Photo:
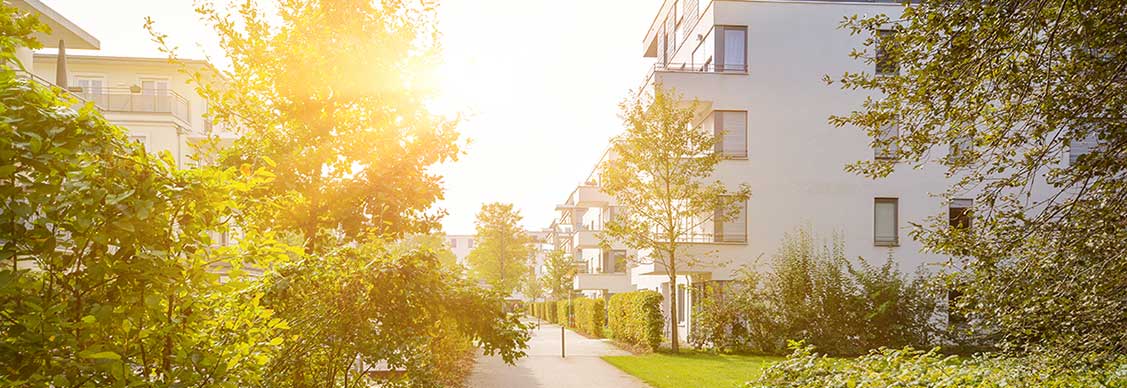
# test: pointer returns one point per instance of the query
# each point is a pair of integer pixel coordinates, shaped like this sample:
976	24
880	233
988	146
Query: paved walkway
544	368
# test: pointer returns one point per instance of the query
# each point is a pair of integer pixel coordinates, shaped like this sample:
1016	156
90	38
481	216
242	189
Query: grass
692	369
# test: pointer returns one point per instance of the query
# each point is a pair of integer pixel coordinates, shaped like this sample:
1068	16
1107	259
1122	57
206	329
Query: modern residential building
756	69
462	245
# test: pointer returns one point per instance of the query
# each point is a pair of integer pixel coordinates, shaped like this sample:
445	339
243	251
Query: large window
886	222
731	49
885	63
731	230
614	261
730	128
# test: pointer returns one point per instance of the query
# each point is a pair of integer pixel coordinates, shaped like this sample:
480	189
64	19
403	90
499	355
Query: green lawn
692	370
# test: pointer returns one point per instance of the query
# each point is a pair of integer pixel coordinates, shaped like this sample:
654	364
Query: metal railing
710	238
690	68
40	80
133	100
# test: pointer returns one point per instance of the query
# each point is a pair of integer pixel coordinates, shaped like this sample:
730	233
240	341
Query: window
731	49
732	230
469	243
143	139
885	222
682	309
730	129
453	243
89	85
614	261
887	147
958	213
885	64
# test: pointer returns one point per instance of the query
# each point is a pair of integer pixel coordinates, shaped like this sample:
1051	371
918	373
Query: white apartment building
461	245
756	69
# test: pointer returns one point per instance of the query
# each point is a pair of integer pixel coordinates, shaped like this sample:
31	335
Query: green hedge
635	318
908	367
590	316
550	311
564	313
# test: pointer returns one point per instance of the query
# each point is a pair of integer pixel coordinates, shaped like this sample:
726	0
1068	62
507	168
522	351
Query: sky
538	81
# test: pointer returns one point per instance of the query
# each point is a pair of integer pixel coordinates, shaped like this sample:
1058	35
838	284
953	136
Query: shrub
914	368
814	294
565	313
590	316
635	318
550	311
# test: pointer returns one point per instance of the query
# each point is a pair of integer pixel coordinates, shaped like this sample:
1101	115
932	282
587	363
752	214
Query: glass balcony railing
133	100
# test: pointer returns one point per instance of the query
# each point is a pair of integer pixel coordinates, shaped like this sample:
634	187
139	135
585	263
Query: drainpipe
61	66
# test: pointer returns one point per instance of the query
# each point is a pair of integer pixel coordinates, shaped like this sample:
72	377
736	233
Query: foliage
16	29
635	318
109	269
914	368
337	302
590	316
559	273
433	243
550	312
691	369
332	97
660	175
503	249
565	312
1020	88
816	295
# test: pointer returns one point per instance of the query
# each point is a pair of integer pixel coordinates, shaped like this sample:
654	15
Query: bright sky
539	79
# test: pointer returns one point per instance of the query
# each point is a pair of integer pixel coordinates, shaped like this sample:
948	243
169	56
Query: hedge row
590	316
635	318
544	310
564	313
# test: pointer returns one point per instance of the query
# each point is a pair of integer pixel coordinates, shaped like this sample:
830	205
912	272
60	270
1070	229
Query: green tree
434	243
109	274
659	174
559	272
501	255
331	96
1023	103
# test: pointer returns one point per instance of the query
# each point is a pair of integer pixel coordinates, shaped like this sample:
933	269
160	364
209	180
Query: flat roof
62	28
72	58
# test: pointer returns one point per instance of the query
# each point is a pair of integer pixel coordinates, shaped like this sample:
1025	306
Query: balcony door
731	49
154	96
92	88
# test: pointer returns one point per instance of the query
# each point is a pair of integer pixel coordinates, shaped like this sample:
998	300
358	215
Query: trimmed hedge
550	311
565	313
635	318
590	316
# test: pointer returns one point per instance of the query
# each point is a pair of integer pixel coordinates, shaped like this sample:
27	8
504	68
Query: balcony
590	196
136	101
584	239
706	82
612	282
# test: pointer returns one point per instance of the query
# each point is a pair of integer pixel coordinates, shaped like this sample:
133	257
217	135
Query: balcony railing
40	80
710	238
709	67
131	100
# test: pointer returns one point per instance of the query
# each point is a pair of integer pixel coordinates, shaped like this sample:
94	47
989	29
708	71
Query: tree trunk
673	340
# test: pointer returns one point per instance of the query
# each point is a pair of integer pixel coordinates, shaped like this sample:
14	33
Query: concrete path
544	368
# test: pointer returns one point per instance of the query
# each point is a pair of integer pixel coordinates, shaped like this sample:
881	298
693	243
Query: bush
635	318
565	313
814	294
914	368
590	316
550	311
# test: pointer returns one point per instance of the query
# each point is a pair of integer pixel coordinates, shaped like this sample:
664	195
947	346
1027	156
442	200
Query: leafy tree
1023	103
659	174
109	271
434	243
501	255
559	272
355	309
331	96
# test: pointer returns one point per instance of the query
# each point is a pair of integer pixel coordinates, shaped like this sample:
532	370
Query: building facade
756	68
